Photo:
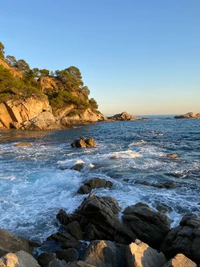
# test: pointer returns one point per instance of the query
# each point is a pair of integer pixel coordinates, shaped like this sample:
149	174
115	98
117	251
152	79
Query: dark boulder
45	258
77	167
184	238
69	255
83	142
66	240
92	184
103	223
149	226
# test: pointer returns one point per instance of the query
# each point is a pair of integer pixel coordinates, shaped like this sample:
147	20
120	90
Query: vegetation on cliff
62	87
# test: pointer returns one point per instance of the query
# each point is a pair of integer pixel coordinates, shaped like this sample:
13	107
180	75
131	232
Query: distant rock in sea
189	115
124	116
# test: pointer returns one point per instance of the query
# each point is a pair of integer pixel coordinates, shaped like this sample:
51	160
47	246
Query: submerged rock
172	156
24	144
92	184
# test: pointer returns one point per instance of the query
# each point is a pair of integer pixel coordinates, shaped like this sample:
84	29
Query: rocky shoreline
95	236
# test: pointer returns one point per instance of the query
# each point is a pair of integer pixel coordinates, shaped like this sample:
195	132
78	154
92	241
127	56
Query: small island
189	115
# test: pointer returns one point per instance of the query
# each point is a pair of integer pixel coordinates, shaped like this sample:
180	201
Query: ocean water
34	186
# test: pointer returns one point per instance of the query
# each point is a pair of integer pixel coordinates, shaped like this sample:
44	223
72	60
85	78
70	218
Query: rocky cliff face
36	114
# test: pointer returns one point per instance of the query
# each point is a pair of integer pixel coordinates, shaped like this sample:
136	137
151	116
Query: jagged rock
44	121
149	226
65	218
69	255
124	116
75	230
84	142
144	256
78	167
23	144
180	260
102	253
172	156
18	259
88	116
11	243
92	184
189	115
66	240
79	264
57	263
101	213
45	258
184	238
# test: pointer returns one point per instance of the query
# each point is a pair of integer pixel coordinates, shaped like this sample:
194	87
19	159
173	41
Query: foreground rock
144	256
18	259
180	260
92	184
184	239
124	116
104	253
98	218
149	226
84	142
189	115
11	243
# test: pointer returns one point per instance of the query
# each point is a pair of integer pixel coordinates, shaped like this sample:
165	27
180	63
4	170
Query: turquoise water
33	186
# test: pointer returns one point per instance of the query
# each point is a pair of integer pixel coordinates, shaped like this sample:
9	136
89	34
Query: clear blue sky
139	56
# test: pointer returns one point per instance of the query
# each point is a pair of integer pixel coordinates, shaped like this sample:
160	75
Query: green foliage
66	86
1	50
93	103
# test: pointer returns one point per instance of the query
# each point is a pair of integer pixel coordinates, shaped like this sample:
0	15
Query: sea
36	181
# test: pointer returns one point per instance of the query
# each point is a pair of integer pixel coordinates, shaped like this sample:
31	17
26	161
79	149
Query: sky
139	56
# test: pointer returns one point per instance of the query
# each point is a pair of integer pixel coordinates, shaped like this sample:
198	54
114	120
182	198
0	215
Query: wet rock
180	260
79	264
101	213
23	144
69	255
163	208
84	142
167	185
103	253
94	183
57	263
144	256
65	218
66	240
172	156
11	243
45	258
75	230
184	238
149	226
18	259
78	167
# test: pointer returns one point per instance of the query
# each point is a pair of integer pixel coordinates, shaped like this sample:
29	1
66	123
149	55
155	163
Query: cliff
33	99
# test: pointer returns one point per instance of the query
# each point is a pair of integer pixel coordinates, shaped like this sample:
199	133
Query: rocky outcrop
18	259
149	226
172	156
189	115
44	121
184	238
11	243
84	142
124	116
92	184
144	256
180	260
15	112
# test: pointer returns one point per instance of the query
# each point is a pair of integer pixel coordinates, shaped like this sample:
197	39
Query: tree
1	50
85	90
74	71
93	103
11	60
22	65
44	72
